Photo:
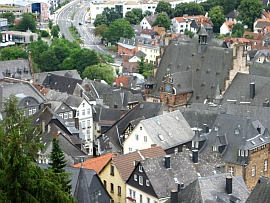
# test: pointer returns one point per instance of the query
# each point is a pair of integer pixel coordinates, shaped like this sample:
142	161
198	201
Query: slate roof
61	83
232	14
262	69
182	170
110	115
239	89
40	77
207	68
19	69
225	128
125	163
74	101
212	189
26	88
151	19
260	193
133	42
96	164
171	126
109	141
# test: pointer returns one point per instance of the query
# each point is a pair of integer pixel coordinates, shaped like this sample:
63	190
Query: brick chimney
87	87
229	184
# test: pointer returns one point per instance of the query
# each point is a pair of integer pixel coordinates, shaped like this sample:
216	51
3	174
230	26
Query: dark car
80	23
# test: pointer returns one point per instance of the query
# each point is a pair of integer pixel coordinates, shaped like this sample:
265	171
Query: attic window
218	72
236	131
261	139
147	182
252	142
178	84
216	128
179	65
188	67
197	69
213	86
158	122
203	84
208	70
177	118
198	97
140	168
161	137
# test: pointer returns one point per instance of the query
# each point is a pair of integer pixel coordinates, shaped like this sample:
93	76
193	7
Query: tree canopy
12	53
100	71
100	20
249	11
163	6
138	13
119	28
217	17
21	179
190	9
100	30
238	29
132	18
162	21
110	14
27	22
9	15
147	13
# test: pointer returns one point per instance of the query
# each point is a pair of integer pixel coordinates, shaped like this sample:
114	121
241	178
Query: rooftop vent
161	137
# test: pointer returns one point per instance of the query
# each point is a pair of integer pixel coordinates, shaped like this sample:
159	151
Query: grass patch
107	57
112	48
74	32
72	16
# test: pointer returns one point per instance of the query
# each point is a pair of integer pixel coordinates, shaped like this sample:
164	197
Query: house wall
144	24
224	29
152	52
171	99
124	50
131	144
257	157
180	27
116	180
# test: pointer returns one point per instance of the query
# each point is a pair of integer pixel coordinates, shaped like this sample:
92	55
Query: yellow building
151	51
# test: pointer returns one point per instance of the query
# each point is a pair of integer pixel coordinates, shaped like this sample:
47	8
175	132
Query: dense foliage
21	179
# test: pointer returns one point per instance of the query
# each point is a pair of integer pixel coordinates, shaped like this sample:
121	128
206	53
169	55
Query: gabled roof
61	83
260	194
110	140
168	130
239	89
237	131
182	170
208	68
96	164
109	116
125	163
213	189
40	77
232	14
229	25
74	101
151	19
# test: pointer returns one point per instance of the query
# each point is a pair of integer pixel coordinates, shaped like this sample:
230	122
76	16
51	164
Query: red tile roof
96	164
229	25
125	163
123	79
200	19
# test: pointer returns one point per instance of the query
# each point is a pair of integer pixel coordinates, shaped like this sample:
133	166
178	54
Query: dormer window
216	128
214	148
236	131
140	168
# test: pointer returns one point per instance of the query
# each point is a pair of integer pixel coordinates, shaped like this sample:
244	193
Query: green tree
100	30
147	13
36	48
50	24
100	20
239	28
58	163
132	18
84	58
119	28
217	17
189	33
21	179
49	61
10	17
138	13
191	8
249	11
207	5
55	32
100	71
110	14
12	53
27	22
162	21
229	5
144	67
44	33
163	6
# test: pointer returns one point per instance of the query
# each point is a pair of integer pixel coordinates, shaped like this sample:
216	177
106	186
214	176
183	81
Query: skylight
261	139
253	142
161	137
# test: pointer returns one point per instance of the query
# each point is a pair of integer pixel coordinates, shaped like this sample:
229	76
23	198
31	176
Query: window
105	184
236	131
88	111
134	194
148	199
140	168
30	111
265	165
145	138
34	110
65	116
140	180
78	113
216	128
83	112
112	187
242	153
136	137
147	183
119	190
112	170
83	124
231	170
141	198
130	149
88	123
140	127
135	177
253	171
61	115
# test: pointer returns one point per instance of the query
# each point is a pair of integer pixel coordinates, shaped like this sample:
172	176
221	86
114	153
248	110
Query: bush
44	33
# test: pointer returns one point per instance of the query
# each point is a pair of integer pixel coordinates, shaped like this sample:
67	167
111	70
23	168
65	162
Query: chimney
49	79
104	98
184	148
54	135
174	196
115	105
229	184
87	87
206	128
176	150
43	126
47	104
153	145
167	162
76	123
122	112
180	186
266	103
195	156
252	90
